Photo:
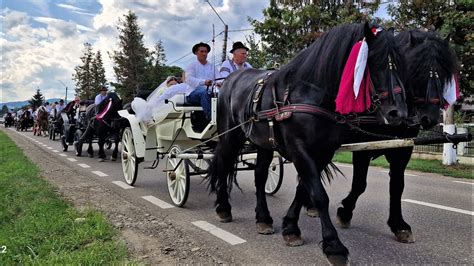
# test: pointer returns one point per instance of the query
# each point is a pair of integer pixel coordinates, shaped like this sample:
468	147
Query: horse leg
360	164
290	229
222	171
310	180
115	151
262	214
398	160
101	143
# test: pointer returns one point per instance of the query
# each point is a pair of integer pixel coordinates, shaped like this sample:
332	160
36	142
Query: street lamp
65	98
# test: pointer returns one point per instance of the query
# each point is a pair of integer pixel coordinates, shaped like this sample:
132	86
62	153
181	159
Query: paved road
439	209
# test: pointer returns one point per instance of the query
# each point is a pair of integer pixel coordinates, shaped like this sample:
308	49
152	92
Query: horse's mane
425	51
322	63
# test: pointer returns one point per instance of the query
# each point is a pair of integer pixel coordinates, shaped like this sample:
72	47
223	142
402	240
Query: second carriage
185	144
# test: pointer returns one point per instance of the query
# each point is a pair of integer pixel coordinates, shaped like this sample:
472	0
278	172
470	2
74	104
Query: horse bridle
432	98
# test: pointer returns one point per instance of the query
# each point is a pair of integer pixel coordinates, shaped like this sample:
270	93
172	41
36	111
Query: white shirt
59	108
197	74
229	66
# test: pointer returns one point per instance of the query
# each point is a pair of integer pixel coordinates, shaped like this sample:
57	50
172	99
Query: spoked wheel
77	144
129	157
108	143
199	166
275	176
51	132
177	178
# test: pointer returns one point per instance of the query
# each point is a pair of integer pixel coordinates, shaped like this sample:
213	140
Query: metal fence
464	149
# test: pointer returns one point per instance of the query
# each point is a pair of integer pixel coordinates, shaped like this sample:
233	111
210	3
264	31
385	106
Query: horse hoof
265	229
101	160
341	223
338	259
113	159
225	217
293	240
405	236
312	212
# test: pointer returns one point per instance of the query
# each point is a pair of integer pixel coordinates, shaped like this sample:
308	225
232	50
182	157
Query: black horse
103	122
430	64
299	120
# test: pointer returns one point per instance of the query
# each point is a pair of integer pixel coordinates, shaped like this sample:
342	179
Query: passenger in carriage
71	107
239	60
199	76
101	96
60	106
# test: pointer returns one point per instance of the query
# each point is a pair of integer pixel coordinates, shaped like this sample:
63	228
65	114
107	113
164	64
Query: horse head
386	66
109	107
431	67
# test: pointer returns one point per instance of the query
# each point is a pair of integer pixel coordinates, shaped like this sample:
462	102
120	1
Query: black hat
201	44
238	45
102	88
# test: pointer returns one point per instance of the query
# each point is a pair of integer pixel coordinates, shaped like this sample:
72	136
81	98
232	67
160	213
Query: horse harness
284	109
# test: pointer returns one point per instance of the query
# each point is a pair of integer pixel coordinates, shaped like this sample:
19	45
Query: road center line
63	155
220	233
122	184
158	202
55	151
83	165
470	183
49	148
439	206
99	173
72	159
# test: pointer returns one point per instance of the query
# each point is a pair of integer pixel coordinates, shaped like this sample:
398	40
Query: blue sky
42	40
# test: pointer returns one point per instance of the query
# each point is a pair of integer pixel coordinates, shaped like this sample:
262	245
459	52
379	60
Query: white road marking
55	151
49	148
99	173
439	207
158	202
62	154
343	165
83	165
220	233
122	184
470	183
386	171
44	145
72	159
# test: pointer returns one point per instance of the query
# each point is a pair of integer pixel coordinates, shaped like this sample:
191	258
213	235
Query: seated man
238	61
199	75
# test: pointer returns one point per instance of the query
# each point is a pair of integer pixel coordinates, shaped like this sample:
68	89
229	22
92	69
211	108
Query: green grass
429	166
38	227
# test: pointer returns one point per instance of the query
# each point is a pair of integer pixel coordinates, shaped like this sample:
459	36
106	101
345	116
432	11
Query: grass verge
38	227
429	166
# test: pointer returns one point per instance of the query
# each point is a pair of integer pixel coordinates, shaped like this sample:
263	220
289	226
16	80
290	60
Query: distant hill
14	105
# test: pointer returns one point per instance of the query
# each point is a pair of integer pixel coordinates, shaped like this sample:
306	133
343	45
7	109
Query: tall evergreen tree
98	72
257	56
83	74
291	25
131	60
37	100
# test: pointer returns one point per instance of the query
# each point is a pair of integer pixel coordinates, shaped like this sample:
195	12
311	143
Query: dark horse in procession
293	111
102	122
431	73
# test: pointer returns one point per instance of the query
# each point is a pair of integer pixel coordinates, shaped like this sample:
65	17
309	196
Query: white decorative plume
359	69
449	91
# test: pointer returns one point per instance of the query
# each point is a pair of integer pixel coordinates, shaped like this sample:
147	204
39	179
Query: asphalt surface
438	208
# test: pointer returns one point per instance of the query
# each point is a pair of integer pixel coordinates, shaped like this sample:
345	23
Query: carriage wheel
178	180
77	144
199	166
129	157
108	143
63	142
275	176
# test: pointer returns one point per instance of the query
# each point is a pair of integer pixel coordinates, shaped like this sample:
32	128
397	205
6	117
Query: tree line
287	27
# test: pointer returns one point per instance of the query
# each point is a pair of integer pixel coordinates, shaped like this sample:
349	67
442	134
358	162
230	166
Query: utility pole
226	30
65	98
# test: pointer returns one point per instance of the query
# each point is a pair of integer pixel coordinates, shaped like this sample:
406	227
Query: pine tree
132	60
83	74
37	100
98	72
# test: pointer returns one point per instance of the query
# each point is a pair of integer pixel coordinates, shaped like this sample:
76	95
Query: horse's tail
330	172
222	166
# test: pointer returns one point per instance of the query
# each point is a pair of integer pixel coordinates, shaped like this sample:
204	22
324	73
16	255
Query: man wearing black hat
238	61
101	96
200	75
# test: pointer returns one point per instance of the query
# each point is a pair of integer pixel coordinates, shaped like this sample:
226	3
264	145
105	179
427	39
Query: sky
41	41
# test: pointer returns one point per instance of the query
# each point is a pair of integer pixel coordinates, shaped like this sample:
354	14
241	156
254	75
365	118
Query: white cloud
70	7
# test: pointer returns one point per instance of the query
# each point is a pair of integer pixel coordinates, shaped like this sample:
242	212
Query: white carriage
187	152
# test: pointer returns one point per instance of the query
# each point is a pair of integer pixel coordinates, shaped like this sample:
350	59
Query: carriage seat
180	103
